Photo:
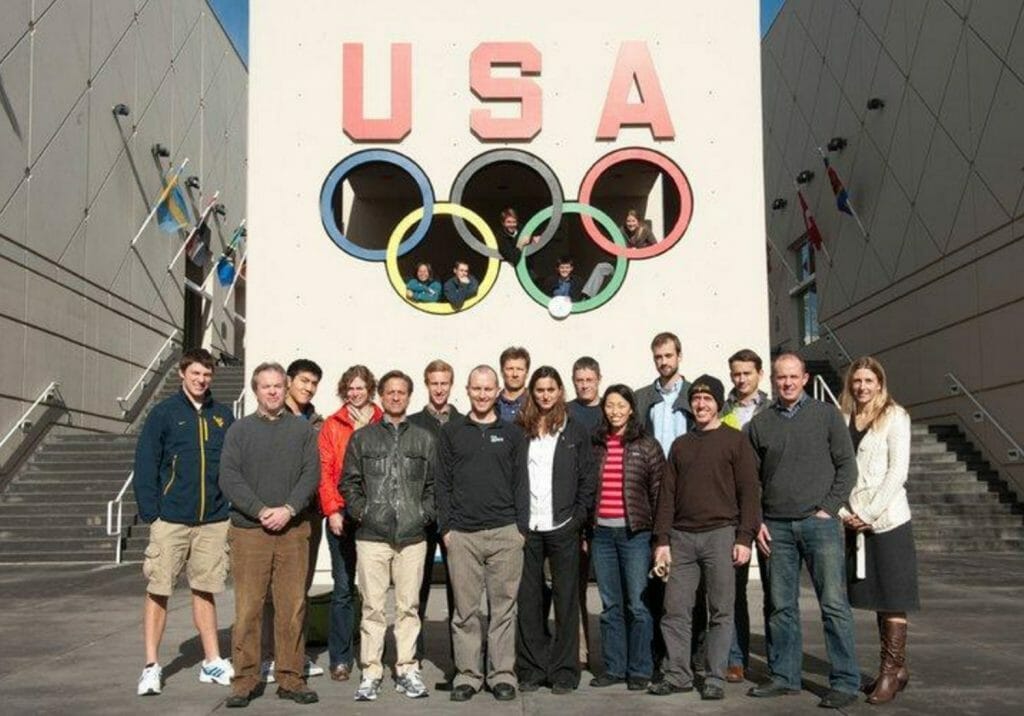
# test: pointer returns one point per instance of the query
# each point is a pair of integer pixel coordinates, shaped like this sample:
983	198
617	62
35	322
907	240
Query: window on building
805	293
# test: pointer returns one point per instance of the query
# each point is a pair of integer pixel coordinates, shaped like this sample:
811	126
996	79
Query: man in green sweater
270	469
707	516
808	468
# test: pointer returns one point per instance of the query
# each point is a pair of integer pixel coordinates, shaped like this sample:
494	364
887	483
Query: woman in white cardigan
878	508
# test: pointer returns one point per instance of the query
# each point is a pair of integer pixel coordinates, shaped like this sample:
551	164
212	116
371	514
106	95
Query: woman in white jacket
878	507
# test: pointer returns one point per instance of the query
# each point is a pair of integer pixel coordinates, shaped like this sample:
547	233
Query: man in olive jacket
388	484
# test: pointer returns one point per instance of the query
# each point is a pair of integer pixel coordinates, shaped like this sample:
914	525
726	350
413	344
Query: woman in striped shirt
629	476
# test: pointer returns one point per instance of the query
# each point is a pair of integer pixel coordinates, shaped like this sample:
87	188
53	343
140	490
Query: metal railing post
142	378
48	392
1015	453
118	502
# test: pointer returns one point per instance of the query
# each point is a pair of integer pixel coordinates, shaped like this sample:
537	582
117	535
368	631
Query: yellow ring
442	208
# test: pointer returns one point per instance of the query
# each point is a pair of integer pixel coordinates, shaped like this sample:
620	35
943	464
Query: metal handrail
20	423
234	279
119	502
142	378
238	407
835	339
1016	453
820	390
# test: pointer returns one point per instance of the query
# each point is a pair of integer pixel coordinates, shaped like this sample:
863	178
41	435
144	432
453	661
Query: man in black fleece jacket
483	510
808	467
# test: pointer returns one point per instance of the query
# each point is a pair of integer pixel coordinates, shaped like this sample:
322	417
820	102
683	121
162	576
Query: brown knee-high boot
894	675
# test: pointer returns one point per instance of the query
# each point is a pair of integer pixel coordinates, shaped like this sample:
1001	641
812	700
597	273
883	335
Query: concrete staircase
54	509
958	503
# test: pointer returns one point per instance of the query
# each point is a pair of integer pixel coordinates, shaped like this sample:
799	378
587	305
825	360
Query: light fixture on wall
160	150
805	176
220	210
779	203
192	182
836	144
121	110
876	103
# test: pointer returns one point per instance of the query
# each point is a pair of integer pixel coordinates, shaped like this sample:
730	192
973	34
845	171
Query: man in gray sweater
808	468
270	469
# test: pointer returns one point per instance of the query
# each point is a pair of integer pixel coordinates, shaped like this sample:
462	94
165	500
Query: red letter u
353	121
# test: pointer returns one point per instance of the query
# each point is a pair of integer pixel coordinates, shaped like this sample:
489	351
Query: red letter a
634	64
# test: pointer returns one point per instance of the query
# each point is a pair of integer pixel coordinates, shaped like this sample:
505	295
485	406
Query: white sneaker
218	671
411	685
311	669
149	682
368	689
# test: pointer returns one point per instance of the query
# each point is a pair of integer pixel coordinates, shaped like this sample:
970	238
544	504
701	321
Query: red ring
666	165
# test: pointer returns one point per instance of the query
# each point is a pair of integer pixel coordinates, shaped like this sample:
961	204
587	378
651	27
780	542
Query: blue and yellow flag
172	213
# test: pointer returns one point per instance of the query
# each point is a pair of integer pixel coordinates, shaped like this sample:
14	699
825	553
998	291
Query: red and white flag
813	235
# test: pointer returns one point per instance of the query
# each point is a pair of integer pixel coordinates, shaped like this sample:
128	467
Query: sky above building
234	16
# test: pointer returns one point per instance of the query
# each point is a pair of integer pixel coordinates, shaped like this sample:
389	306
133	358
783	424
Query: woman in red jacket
356	390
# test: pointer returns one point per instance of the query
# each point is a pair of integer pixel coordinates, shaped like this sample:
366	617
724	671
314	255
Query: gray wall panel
60	67
14	136
59	180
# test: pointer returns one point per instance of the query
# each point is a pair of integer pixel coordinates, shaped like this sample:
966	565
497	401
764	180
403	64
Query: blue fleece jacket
177	461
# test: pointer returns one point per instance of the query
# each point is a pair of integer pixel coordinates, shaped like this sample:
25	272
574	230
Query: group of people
425	287
663	492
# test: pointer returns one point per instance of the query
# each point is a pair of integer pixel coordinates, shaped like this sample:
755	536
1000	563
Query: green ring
621	262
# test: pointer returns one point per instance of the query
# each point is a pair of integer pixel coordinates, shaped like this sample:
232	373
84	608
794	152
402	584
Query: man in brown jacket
708	514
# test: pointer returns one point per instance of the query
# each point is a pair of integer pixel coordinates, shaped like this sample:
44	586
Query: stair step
933	457
71	545
60	493
918	488
980	511
930	467
943	478
92	438
975	498
123	466
973	545
928	521
13	520
64	453
100	556
955	532
114	479
76	507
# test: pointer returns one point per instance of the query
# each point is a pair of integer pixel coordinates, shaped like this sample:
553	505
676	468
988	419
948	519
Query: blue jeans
739	652
819	543
341	618
621	560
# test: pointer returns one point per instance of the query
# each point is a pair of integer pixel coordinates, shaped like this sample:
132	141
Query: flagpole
159	201
202	220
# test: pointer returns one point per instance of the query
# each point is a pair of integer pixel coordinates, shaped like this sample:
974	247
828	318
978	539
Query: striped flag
842	196
172	211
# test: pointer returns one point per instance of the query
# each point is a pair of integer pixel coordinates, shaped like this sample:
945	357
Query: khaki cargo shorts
203	549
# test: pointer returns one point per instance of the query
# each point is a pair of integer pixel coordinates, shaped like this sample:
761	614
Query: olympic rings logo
413	228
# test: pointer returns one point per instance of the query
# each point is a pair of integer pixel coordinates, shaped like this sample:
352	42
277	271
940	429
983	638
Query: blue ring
338	174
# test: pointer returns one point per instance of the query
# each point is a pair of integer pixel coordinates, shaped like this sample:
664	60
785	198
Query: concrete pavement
71	639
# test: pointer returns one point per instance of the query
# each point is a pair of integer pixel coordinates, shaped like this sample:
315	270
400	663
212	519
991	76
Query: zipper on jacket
201	423
174	466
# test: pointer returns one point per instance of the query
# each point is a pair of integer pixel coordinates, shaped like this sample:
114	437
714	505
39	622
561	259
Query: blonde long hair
880	405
